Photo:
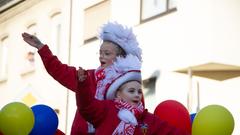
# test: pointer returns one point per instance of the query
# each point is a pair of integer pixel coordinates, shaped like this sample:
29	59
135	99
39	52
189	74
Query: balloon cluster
210	120
16	118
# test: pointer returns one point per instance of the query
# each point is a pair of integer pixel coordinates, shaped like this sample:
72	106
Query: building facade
179	40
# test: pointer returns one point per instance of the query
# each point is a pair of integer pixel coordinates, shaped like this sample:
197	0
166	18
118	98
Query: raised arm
64	74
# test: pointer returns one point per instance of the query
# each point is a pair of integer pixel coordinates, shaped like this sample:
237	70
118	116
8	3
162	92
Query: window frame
56	32
29	52
90	32
168	10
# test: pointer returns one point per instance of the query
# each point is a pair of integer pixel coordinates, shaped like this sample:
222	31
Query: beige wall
36	82
199	31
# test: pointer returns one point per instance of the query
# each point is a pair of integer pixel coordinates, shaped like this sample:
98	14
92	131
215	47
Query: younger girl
123	113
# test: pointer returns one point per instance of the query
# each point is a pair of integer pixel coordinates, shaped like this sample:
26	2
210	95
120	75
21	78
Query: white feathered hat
122	36
121	71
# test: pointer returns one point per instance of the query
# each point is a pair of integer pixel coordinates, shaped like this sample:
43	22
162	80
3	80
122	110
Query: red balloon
59	132
175	114
1	133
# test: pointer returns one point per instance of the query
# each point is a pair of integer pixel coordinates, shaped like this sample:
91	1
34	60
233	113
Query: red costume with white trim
67	76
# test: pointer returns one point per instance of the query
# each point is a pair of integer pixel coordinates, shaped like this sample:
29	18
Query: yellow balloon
213	120
16	119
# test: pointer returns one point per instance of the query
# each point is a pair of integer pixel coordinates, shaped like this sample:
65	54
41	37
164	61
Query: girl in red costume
123	112
117	40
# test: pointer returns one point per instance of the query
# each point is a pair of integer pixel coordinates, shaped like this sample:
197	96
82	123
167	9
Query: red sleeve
59	132
64	74
91	109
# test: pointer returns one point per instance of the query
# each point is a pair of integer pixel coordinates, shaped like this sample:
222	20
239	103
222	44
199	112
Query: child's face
130	92
108	53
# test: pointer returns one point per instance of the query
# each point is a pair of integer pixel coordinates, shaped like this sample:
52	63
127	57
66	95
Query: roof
212	70
7	4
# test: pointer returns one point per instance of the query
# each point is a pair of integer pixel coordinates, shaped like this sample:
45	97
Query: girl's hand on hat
81	74
32	40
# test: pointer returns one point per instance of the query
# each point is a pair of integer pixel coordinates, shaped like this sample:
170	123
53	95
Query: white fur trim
130	62
121	71
127	116
129	76
91	129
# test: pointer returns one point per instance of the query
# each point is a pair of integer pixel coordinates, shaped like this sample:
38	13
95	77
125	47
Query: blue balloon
46	120
192	116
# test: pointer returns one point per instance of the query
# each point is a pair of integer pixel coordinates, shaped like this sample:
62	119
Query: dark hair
120	51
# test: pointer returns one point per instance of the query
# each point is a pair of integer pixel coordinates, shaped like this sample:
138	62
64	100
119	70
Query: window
94	17
29	52
3	58
151	9
56	32
149	88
